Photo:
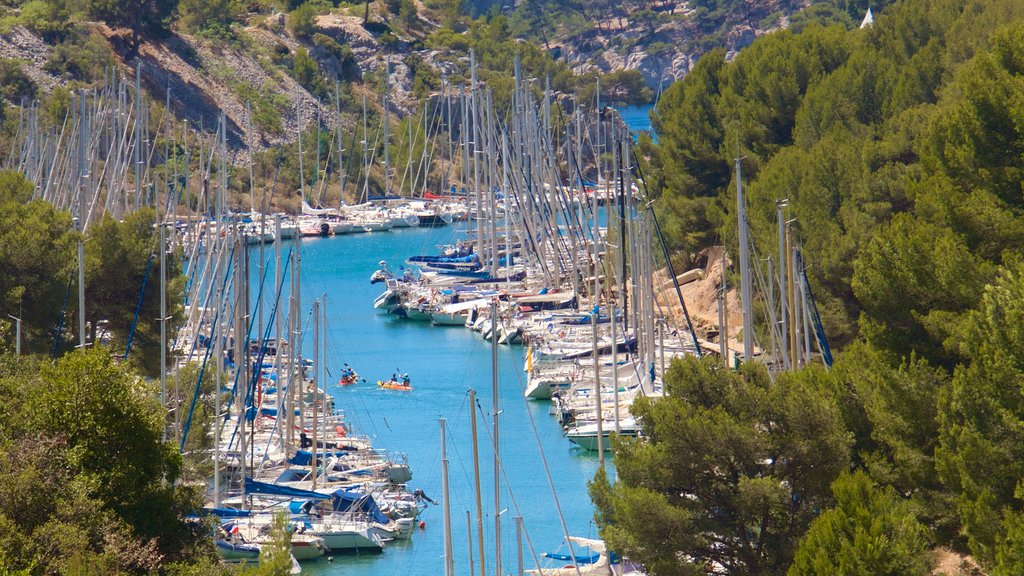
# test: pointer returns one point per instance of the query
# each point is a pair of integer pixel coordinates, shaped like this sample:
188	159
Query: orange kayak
391	385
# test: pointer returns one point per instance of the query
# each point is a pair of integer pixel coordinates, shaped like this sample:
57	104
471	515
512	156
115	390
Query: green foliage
85	58
618	88
267	106
425	80
15	85
892	408
730	470
912	278
56	106
305	68
36	256
407	14
86	484
50	19
141	16
302	20
276	554
869	531
388	40
118	257
342	53
210	17
981	421
918	114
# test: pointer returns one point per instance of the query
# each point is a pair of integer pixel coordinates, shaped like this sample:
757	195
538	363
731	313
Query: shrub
389	40
341	52
80	60
305	69
302	21
14	83
47	18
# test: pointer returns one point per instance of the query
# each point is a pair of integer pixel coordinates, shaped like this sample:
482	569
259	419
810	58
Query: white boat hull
349	539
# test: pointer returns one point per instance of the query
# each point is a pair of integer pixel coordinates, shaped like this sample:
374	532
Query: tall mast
449	562
476	164
81	221
745	283
298	124
316	382
341	141
281	408
476	475
497	444
783	282
366	156
387	129
163	325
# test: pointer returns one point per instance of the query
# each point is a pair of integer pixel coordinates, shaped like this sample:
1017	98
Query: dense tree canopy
731	471
86	484
869	531
36	260
898	148
122	283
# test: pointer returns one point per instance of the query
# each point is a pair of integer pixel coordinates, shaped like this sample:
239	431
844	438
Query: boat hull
230	552
306	550
444	319
344	539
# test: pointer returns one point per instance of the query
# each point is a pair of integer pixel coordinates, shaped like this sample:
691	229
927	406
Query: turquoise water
638	119
443	363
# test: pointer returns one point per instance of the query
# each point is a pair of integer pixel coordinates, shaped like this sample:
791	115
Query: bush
305	69
302	21
341	52
80	60
14	83
388	40
870	531
210	18
47	18
407	14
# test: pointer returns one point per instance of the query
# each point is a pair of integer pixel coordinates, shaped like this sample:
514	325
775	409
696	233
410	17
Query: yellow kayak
392	385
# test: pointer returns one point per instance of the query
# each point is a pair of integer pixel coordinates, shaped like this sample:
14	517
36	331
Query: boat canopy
463	306
568	558
304	457
345	501
254	487
310	211
227	512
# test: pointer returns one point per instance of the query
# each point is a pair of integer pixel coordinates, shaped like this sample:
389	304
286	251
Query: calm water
638	119
443	363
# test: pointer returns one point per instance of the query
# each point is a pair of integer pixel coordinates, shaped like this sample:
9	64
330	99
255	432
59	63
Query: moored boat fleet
280	446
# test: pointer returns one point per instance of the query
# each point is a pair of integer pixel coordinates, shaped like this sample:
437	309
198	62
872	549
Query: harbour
443	362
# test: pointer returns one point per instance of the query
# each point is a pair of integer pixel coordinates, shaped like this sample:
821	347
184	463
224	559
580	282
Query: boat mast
81	221
476	475
387	128
163	325
449	563
783	281
298	128
745	283
316	383
497	444
281	408
323	395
